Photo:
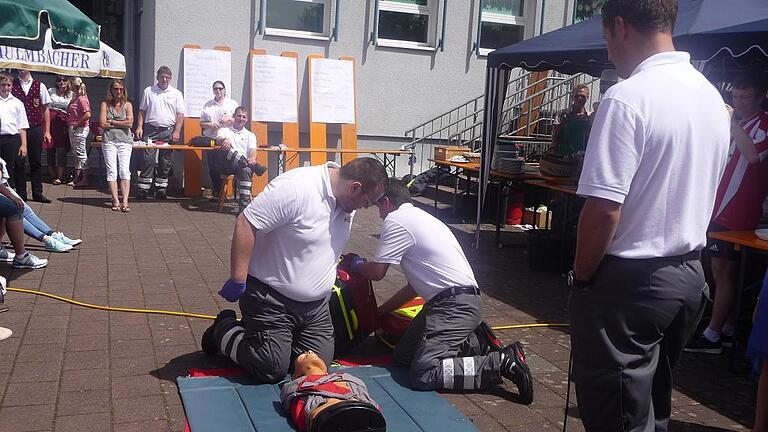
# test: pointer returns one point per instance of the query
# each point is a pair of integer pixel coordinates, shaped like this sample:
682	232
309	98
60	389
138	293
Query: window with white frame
407	22
298	17
502	23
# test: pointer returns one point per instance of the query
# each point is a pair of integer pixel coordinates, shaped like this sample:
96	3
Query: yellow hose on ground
210	317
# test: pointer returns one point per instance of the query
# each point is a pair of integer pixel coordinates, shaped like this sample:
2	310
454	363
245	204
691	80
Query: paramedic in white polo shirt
217	113
657	150
237	156
13	121
161	116
435	346
285	249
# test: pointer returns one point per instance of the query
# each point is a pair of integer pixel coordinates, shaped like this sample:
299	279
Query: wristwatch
576	283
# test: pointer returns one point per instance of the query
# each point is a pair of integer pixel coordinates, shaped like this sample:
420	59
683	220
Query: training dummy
316	400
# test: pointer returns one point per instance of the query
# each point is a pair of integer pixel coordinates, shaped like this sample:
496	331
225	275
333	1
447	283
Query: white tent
106	63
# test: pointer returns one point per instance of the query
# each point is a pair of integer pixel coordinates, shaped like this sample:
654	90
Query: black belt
451	292
688	256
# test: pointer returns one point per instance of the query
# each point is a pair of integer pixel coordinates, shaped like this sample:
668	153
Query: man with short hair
13	125
284	253
435	347
571	126
738	206
237	156
216	113
161	116
34	95
656	153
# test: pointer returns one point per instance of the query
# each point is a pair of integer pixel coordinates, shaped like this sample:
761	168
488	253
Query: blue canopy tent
734	33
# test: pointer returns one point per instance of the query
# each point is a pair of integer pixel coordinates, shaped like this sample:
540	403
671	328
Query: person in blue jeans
36	228
757	349
11	210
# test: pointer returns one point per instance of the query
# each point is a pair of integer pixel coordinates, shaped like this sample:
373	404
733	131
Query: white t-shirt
45	98
161	106
214	111
243	140
59	103
658	146
301	233
13	116
426	250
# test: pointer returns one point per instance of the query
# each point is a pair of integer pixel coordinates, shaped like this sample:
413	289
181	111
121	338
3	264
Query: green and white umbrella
23	24
106	62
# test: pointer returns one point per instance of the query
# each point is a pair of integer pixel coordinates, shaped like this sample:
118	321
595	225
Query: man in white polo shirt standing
657	150
285	249
437	346
161	116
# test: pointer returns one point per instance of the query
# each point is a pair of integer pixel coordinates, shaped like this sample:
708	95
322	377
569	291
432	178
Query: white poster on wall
201	68
274	89
333	91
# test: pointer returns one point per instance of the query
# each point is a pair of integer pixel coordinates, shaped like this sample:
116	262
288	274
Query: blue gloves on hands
355	262
232	291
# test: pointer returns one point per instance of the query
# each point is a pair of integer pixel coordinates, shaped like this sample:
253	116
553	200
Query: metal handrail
475	113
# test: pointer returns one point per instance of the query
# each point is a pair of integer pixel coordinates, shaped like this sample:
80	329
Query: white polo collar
668	57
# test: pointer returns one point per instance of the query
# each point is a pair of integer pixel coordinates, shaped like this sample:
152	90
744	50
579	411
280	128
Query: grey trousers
438	350
627	333
273	331
155	170
228	163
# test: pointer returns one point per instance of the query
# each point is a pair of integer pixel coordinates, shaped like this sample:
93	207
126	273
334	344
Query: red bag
353	308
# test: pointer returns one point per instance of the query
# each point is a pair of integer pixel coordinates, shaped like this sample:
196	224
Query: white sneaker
53	245
6	255
29	261
5	333
66	240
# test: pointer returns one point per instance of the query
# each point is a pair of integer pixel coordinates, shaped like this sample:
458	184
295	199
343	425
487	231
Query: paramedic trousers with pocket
151	169
273	331
627	333
438	349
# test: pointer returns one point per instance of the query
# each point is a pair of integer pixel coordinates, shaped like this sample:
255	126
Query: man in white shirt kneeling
437	346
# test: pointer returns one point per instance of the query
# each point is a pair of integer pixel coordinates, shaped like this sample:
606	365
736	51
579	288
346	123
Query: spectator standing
161	116
571	126
34	95
738	206
116	120
78	119
656	153
58	146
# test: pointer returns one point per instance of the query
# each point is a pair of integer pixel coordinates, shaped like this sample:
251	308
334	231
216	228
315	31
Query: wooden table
747	242
193	167
503	179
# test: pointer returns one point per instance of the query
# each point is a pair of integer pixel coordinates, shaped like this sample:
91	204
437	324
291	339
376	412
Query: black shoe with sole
208	342
515	369
41	199
160	194
703	345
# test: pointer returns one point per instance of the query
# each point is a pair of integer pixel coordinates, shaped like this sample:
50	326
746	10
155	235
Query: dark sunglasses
218	88
61	80
118	88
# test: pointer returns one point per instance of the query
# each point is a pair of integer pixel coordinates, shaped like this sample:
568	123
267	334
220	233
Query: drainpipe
543	8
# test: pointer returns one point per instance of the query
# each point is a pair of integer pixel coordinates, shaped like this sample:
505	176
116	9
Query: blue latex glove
355	262
232	291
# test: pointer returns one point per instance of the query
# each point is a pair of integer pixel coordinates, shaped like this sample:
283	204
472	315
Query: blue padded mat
238	404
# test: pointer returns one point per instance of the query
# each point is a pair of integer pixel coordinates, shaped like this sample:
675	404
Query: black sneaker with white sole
515	369
702	345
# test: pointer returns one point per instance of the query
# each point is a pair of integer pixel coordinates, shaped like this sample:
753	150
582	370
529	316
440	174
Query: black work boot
515	369
208	342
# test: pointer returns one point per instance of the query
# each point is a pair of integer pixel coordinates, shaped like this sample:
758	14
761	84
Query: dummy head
308	363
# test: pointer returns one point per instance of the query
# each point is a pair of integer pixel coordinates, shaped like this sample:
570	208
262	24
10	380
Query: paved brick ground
68	368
